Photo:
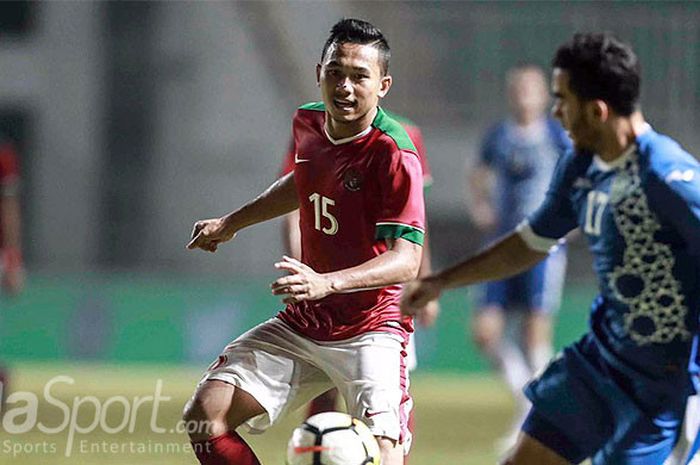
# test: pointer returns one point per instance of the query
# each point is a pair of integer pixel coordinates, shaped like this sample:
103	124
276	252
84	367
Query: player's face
351	84
573	113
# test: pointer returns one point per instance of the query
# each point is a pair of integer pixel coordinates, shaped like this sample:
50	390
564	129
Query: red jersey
353	194
414	133
9	172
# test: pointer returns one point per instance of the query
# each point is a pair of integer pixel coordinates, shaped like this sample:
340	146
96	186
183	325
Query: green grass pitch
459	417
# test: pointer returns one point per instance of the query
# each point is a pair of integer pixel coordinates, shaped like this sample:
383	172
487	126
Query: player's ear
384	86
600	110
318	74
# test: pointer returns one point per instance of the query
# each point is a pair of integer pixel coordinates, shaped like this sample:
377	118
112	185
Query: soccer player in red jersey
358	186
327	401
11	269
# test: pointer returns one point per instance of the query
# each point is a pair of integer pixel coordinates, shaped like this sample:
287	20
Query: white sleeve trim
535	242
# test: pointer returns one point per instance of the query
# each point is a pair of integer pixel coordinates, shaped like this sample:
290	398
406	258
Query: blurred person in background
291	233
11	269
617	395
512	324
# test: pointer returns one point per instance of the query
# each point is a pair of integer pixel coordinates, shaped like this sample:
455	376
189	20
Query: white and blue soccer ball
332	438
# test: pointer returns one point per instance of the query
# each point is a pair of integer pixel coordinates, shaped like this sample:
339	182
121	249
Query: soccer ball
332	438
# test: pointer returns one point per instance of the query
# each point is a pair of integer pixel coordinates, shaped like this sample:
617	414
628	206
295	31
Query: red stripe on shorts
404	408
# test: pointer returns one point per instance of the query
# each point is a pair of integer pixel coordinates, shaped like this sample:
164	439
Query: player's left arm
676	199
400	263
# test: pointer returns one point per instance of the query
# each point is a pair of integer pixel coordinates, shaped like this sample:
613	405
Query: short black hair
356	31
601	66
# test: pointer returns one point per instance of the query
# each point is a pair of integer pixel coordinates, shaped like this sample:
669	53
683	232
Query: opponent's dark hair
601	66
356	31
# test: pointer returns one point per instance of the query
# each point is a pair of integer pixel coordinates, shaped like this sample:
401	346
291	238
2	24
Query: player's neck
622	133
526	120
342	130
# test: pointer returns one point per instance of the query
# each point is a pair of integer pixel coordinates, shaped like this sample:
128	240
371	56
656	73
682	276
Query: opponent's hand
208	234
301	284
427	315
418	294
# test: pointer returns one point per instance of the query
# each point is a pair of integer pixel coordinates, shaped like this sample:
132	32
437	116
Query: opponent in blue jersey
517	159
618	394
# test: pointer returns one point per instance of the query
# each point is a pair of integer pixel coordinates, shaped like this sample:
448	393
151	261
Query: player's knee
486	340
193	416
203	416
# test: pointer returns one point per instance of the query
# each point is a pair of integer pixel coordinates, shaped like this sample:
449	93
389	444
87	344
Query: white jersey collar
616	163
346	139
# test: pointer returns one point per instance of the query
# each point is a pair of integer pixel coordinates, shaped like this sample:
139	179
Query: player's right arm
278	199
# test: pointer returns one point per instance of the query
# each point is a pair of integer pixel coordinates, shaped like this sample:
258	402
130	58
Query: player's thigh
488	324
537	329
370	372
270	363
529	451
576	407
218	407
650	442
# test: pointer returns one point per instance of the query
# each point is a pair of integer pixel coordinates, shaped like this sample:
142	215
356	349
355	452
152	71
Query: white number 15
321	204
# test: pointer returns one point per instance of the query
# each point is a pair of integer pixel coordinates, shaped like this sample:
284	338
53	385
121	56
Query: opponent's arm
507	257
276	200
400	263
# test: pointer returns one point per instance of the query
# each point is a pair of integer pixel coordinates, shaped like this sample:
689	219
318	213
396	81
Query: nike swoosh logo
299	160
369	414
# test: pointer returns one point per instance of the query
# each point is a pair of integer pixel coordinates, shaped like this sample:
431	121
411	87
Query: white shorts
283	370
411	358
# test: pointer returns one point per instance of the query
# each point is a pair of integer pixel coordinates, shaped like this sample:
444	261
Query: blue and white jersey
641	217
523	161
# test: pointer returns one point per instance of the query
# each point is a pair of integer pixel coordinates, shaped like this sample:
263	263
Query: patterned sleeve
555	217
675	197
9	169
402	210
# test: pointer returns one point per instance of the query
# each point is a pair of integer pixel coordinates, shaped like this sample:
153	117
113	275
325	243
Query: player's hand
301	284
427	315
418	294
208	234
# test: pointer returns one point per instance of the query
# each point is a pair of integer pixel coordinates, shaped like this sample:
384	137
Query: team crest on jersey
352	180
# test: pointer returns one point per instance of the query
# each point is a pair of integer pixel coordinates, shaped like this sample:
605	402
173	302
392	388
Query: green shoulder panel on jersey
401	119
393	129
314	106
399	231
